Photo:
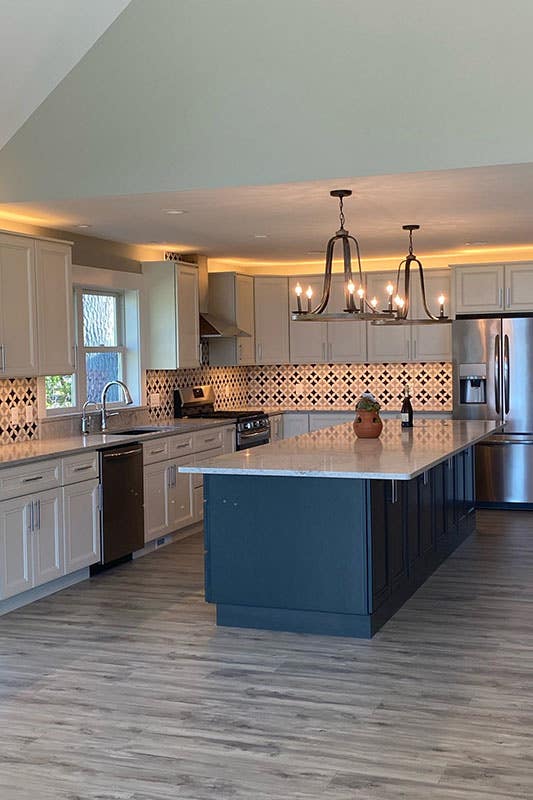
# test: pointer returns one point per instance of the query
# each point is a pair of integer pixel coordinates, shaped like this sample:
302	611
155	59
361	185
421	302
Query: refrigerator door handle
497	386
506	373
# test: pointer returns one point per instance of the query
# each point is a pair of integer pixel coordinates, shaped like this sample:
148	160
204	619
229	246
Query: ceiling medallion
360	309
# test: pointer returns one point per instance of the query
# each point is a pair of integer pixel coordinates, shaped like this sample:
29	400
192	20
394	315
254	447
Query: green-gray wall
184	94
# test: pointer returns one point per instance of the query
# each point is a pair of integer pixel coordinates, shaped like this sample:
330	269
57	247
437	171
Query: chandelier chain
342	218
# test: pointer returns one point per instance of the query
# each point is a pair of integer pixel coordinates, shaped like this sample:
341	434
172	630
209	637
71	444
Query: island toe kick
330	555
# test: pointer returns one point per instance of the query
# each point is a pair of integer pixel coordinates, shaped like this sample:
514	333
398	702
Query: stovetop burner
198	401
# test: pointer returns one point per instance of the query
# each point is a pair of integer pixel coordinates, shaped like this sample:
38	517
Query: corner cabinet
55	319
231	298
493	288
271	313
173	315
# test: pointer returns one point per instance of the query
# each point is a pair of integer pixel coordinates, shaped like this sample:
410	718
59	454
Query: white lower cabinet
180	513
325	419
276	427
81	522
156	499
31	542
295	424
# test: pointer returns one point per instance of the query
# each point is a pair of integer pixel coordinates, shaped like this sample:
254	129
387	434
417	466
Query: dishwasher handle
123	453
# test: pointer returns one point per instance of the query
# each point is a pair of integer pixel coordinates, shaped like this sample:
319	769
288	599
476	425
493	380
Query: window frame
131	286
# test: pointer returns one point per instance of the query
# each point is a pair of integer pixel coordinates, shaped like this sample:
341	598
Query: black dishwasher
122	509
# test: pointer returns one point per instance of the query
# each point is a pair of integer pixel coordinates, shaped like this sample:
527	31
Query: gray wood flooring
122	688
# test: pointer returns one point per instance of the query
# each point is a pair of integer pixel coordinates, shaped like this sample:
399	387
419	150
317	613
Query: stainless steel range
252	428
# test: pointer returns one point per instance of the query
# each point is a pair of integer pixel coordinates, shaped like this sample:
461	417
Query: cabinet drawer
81	467
155	451
208	440
207	455
17	481
180	445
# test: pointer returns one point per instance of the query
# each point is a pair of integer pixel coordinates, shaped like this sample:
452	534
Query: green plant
367	402
58	391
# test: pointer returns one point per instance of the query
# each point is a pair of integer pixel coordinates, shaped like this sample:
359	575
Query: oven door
246	439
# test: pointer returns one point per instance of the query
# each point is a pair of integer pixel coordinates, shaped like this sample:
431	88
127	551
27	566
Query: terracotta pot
367	424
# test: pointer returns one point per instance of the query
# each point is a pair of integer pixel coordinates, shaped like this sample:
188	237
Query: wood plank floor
122	688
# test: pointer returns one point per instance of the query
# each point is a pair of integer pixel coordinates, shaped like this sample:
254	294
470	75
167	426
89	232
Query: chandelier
397	304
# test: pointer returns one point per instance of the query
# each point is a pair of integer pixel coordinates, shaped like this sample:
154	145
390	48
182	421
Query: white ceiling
40	42
486	207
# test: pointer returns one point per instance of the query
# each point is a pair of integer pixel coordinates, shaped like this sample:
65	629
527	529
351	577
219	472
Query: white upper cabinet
386	344
479	288
173	315
431	342
55	320
231	297
18	322
342	342
308	340
271	320
518	279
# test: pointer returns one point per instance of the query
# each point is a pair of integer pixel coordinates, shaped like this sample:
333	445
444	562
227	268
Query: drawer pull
180	446
80	469
212	439
155	452
35	478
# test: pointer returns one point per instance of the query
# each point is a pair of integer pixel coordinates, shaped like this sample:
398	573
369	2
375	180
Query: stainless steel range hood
212	326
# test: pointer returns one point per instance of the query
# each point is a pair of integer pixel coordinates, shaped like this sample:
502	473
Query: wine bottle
407	409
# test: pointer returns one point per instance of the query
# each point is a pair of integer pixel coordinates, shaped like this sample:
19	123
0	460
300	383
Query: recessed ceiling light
174	211
260	235
83	225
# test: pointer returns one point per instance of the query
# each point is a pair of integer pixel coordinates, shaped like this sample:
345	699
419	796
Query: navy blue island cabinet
335	556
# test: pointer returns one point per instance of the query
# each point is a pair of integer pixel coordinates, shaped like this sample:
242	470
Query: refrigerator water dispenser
473	384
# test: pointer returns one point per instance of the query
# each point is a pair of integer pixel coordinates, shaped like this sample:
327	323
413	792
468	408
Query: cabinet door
308	340
478	288
187	316
55	320
386	344
346	339
271	320
180	499
229	439
295	424
198	503
519	287
81	524
47	539
325	419
276	427
244	317
157	479
431	342
18	329
15	547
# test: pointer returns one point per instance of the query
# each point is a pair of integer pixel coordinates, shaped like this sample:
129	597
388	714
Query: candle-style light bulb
309	295
298	290
374	303
361	295
351	287
400	302
390	289
441	300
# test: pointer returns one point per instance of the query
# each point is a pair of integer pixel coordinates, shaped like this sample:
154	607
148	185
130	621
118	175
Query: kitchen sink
141	430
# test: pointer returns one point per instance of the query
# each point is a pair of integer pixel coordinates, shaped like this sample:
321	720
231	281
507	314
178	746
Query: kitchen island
326	533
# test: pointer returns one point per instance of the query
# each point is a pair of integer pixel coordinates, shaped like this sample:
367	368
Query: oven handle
255	434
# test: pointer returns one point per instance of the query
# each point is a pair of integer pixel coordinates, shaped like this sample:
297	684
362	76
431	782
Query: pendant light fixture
360	309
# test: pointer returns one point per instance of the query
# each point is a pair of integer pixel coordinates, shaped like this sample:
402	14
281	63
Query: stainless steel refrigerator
493	379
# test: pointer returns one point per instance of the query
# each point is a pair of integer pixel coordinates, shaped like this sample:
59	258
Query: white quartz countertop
38	449
335	452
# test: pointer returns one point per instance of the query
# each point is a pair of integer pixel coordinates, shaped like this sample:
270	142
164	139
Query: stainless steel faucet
86	420
105	413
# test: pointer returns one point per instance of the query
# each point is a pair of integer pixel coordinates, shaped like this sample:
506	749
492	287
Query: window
100	337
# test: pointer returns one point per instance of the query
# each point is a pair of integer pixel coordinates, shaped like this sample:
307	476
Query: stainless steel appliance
493	379
252	428
122	514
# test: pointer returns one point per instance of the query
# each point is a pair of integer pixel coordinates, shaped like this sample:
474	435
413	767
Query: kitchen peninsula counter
325	533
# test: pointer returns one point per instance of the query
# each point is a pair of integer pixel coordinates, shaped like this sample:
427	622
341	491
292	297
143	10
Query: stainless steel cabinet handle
123	453
508	297
212	439
414	349
75	357
3	356
180	446
175	475
169	477
497	372
394	492
408	350
155	452
500	297
34	478
81	469
324	351
30	516
38	524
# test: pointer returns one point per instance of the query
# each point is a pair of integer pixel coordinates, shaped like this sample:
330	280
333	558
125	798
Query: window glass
59	391
99	320
101	368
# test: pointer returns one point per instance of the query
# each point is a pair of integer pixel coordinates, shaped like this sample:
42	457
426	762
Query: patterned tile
18	394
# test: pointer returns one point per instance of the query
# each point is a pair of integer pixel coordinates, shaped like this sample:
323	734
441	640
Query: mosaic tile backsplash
321	386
